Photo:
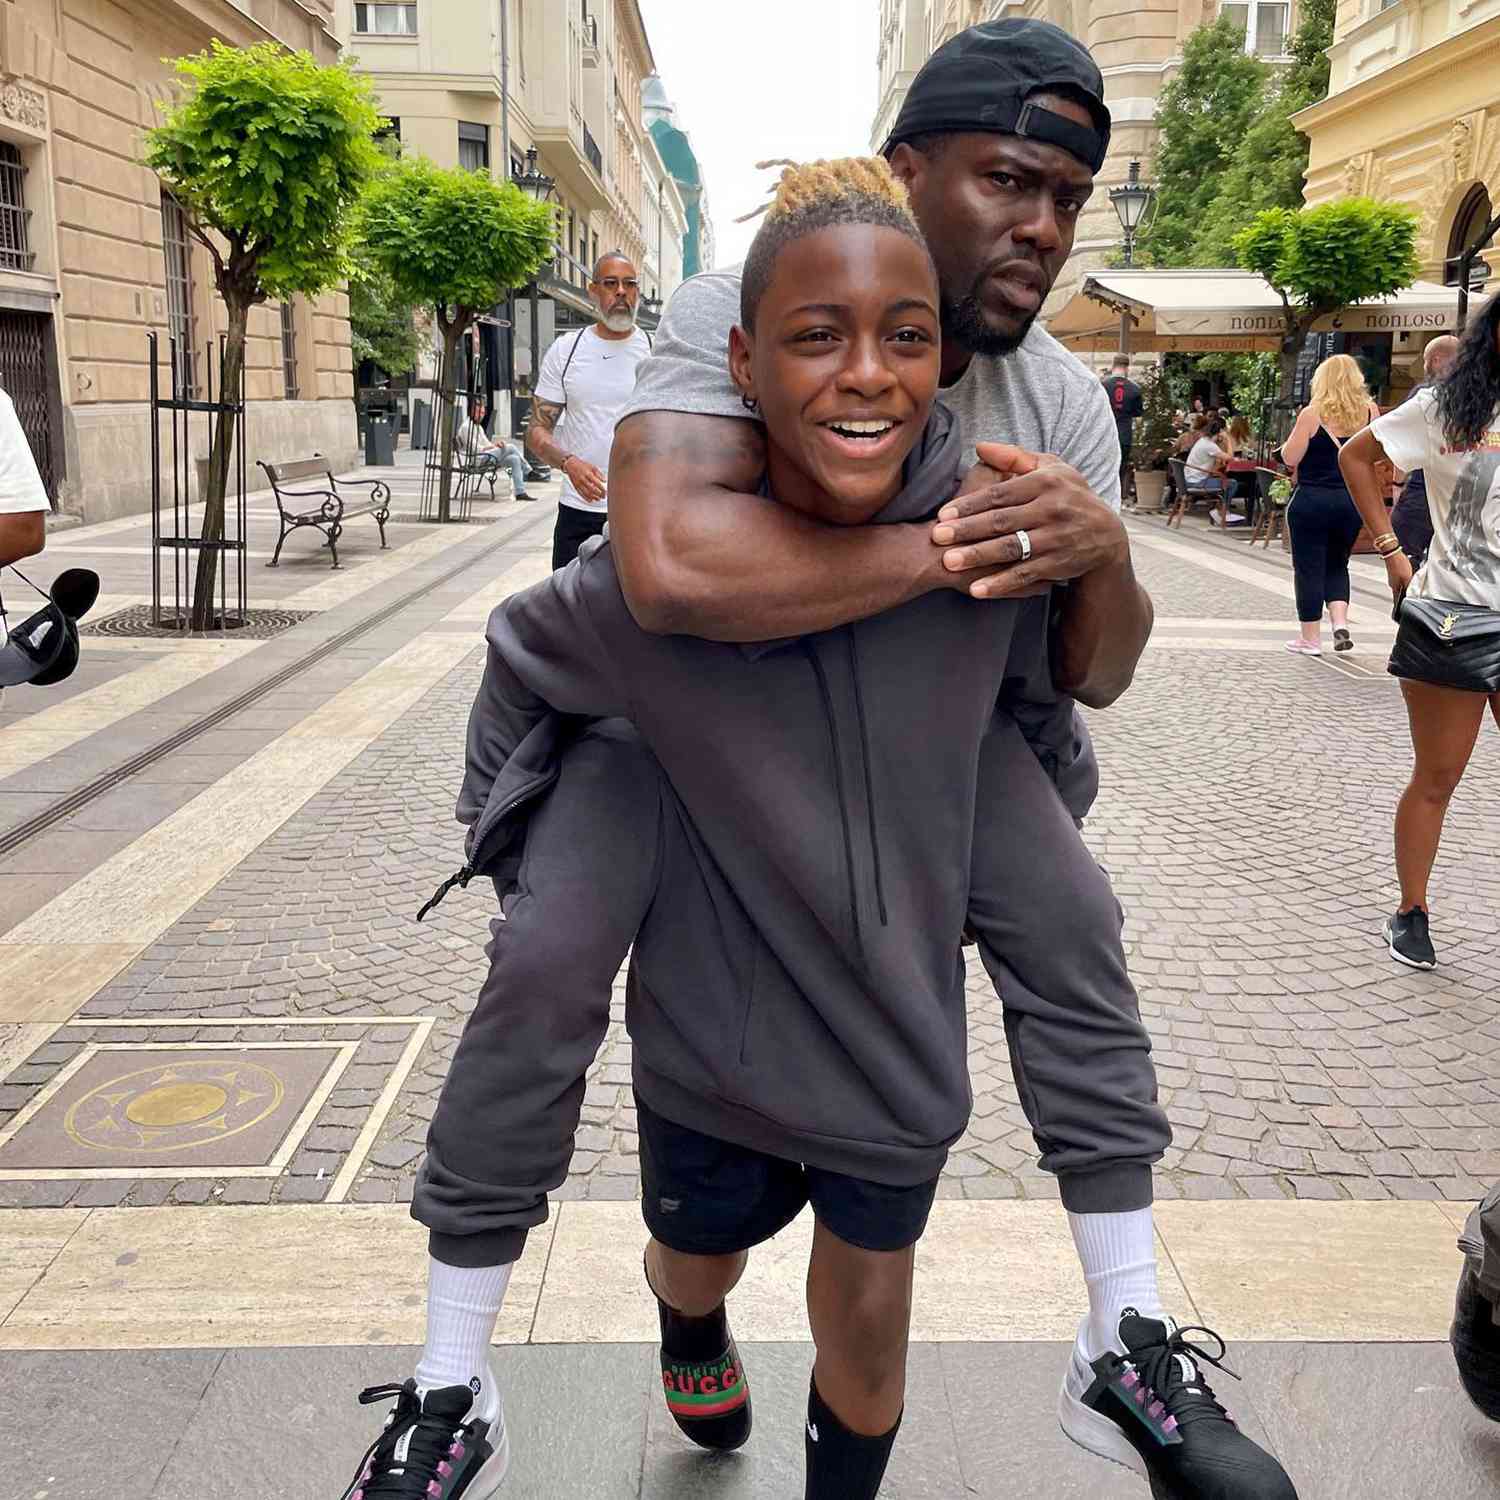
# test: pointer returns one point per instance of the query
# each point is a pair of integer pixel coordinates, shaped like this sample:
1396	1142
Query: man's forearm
541	434
1106	622
699	555
22	535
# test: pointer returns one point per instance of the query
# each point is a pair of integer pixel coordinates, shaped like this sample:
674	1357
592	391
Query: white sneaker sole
492	1475
1096	1434
1401	958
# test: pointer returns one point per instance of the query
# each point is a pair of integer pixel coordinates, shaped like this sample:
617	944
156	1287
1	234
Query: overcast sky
767	78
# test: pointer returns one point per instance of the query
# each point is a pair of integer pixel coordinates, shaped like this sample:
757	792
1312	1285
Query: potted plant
1155	437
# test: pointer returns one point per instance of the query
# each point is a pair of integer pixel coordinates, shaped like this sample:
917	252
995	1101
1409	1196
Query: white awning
1199	311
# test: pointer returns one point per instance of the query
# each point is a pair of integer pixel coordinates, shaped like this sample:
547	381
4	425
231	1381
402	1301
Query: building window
15	218
385	20
473	147
1469	224
289	351
1265	24
181	322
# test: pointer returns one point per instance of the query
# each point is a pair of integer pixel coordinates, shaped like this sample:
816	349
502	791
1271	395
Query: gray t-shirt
1039	397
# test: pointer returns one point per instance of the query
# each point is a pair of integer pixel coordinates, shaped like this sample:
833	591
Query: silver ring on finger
1025	540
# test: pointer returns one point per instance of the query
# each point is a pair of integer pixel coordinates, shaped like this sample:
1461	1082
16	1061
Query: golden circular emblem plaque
174	1108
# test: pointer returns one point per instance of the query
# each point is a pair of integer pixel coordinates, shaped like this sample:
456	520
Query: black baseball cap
43	649
984	77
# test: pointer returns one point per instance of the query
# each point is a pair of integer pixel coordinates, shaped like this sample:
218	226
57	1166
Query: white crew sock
463	1303
1118	1253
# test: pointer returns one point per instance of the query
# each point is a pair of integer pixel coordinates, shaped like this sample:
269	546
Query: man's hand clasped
1023	521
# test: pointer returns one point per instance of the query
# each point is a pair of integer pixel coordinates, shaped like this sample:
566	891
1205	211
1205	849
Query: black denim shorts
704	1196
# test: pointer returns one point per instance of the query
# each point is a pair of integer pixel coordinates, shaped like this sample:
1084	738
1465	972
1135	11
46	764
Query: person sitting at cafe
1205	469
1241	439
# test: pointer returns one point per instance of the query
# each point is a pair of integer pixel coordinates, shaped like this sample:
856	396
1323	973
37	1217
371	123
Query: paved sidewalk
214	1002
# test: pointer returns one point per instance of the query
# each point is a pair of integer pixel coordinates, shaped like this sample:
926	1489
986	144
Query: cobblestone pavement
1244	816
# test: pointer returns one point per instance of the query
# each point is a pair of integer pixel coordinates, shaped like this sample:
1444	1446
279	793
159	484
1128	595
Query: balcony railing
592	151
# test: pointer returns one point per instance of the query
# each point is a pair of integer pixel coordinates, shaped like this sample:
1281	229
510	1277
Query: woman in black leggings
1322	517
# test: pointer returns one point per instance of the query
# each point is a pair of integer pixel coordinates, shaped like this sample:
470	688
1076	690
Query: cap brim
34	648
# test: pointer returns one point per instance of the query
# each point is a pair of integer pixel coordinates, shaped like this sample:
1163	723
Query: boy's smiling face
844	362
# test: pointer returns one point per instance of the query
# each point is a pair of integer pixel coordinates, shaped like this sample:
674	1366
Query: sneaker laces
1172	1371
436	1445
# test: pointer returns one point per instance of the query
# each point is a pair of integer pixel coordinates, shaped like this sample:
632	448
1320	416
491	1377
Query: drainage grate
253	625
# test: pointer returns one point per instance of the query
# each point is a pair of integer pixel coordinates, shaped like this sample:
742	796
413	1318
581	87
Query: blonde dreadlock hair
817	195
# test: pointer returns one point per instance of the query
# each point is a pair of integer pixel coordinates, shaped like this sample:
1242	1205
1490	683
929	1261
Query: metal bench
334	506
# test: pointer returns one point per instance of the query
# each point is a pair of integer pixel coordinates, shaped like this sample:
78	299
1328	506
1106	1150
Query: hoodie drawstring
864	746
838	780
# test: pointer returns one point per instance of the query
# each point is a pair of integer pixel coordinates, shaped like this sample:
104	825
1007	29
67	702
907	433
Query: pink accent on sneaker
1129	1378
435	1489
456	1451
1155	1410
1170	1425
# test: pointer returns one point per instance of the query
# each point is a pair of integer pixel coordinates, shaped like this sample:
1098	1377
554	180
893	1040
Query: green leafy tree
1321	259
1155	432
267	152
1203	114
1268	166
457	241
382	321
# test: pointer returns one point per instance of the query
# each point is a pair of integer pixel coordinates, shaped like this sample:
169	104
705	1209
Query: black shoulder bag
1447	644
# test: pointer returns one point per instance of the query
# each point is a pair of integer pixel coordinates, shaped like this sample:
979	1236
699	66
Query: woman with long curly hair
1321	517
1447	650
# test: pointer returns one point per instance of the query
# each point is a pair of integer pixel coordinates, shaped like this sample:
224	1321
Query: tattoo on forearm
714	445
540	435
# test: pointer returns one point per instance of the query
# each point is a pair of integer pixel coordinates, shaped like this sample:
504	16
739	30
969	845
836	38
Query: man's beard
622	320
964	323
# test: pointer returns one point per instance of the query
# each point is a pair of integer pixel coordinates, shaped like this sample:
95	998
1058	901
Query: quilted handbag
1451	645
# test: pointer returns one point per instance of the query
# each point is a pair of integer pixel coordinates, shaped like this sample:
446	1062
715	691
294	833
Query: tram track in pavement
74	801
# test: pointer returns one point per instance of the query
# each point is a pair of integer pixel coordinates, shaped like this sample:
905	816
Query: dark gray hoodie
797	986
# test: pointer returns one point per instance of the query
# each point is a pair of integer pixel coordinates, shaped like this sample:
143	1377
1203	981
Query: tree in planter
1321	259
267	152
458	241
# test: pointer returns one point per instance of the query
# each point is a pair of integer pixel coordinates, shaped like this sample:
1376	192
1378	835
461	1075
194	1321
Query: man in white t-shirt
585	381
23	500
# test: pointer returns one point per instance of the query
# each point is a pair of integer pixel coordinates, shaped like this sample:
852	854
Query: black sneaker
431	1449
1152	1411
522	495
1406	934
1475	1337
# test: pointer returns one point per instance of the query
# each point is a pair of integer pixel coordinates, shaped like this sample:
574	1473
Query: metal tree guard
179	541
465	482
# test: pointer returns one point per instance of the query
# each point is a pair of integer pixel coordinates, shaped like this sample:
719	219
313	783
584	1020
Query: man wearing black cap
998	143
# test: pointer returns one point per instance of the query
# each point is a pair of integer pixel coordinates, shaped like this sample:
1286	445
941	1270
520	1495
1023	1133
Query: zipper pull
460	879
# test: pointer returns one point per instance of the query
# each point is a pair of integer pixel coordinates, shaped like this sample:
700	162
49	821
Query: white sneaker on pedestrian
433	1447
1300	647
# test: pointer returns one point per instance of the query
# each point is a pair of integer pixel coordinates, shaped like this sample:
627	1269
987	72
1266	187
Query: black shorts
703	1196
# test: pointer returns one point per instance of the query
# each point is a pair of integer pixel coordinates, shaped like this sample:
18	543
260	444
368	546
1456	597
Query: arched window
1469	224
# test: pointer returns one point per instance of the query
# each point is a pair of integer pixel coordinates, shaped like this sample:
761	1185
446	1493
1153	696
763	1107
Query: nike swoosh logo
812	1432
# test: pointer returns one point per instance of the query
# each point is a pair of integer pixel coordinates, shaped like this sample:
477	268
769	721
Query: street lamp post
536	184
1131	200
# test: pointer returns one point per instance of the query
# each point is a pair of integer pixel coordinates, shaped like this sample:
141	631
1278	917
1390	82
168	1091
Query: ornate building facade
93	255
1413	116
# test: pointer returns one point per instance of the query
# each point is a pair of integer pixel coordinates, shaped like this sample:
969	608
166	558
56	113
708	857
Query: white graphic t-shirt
1463	492
594	385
